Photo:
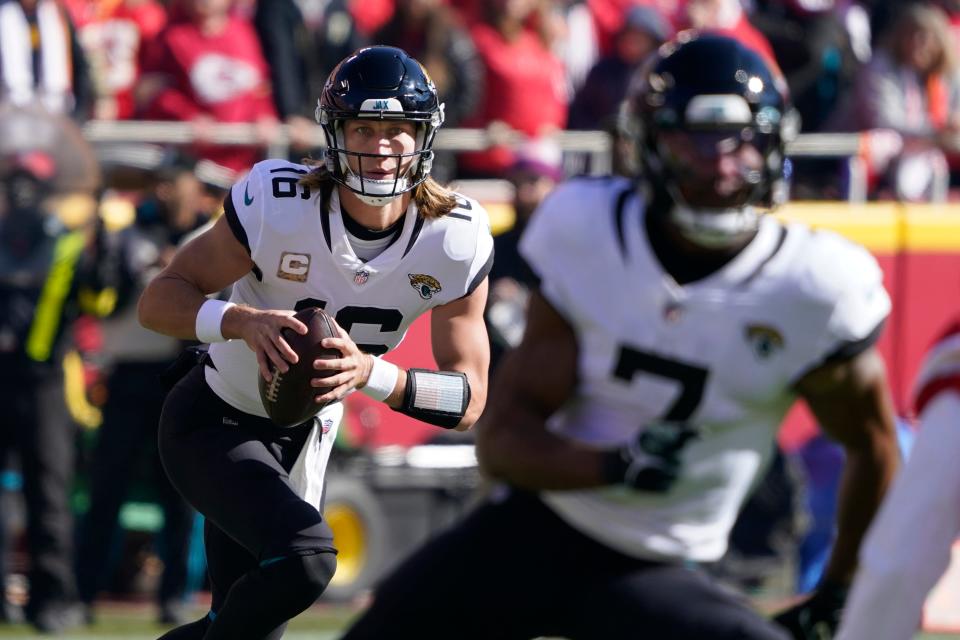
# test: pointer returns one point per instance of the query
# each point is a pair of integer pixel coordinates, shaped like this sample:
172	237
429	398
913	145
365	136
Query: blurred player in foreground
673	328
372	239
908	545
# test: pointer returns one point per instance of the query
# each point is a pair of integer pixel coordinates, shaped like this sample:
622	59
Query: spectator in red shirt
112	35
207	67
430	31
596	104
727	18
524	83
370	15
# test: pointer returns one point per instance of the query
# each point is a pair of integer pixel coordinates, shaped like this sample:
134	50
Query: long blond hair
433	200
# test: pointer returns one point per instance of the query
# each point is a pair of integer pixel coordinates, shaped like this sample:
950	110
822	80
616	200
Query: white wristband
383	378
209	318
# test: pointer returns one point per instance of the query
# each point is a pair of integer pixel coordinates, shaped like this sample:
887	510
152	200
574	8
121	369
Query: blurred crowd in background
69	278
531	66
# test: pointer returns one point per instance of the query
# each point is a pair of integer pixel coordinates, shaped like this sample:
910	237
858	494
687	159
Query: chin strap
715	228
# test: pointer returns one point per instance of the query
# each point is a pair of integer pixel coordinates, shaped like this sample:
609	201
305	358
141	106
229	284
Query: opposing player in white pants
908	545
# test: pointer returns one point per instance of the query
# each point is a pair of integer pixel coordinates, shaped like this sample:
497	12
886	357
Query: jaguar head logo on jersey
764	340
294	266
425	285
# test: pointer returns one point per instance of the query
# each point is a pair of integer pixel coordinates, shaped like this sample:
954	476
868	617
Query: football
288	398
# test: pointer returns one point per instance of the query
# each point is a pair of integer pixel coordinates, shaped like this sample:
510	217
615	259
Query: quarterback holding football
371	240
673	327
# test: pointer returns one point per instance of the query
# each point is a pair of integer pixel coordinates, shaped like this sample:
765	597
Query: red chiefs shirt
748	35
113	35
222	75
525	88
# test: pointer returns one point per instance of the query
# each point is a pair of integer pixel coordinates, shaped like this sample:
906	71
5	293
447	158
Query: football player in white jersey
372	239
673	328
908	545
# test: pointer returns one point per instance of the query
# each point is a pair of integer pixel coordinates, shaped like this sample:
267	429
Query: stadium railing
127	141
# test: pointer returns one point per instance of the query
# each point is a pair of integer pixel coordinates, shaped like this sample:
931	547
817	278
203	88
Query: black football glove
651	461
818	616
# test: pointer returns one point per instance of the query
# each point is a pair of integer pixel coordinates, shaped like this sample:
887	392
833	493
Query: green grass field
136	622
322	622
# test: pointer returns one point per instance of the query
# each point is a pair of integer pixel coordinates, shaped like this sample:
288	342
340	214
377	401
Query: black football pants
262	539
513	570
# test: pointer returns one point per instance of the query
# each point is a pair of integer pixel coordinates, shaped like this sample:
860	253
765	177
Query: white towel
53	88
309	471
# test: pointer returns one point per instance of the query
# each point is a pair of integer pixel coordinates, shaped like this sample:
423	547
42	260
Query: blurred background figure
819	46
909	543
727	18
910	90
596	103
301	41
47	276
112	36
207	67
536	171
136	359
333	34
41	60
429	31
576	44
524	82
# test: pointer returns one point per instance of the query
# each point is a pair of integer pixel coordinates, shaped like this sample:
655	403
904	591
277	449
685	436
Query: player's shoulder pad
578	200
826	267
263	199
940	369
276	179
572	215
466	230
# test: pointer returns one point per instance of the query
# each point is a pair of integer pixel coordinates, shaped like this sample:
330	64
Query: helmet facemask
714	144
378	191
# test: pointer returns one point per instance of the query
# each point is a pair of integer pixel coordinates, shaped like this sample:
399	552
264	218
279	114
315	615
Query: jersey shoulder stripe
230	212
466	238
620	215
566	223
940	369
782	232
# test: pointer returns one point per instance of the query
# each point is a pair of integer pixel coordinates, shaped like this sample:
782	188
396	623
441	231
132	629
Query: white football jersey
304	258
907	547
720	354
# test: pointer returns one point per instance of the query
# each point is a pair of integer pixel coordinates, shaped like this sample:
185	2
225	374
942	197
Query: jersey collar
355	270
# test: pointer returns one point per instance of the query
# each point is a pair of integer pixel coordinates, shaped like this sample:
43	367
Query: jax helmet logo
425	285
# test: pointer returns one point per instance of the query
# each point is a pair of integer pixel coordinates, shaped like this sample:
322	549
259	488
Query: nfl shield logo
361	276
